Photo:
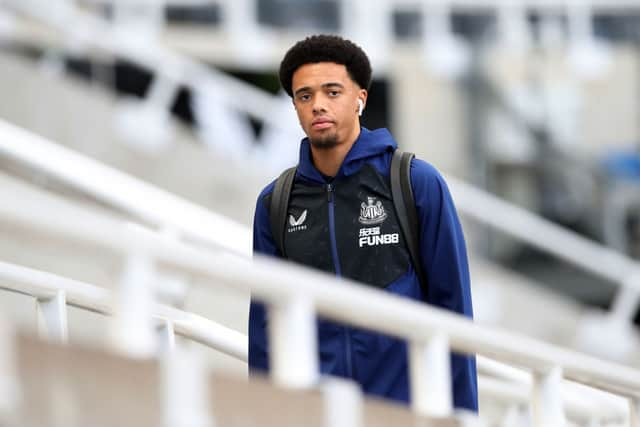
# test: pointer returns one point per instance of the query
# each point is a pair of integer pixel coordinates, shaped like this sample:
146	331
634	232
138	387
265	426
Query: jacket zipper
332	230
336	265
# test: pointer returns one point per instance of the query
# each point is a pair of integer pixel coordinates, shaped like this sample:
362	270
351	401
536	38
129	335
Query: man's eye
334	93
304	97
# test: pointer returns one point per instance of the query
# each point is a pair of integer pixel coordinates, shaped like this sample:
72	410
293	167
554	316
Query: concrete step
74	386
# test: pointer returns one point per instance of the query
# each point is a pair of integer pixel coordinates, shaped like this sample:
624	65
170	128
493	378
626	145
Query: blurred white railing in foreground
295	295
499	382
51	290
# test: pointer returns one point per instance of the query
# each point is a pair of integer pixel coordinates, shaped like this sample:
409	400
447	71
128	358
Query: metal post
51	315
513	27
431	376
634	412
594	422
166	337
614	217
444	53
588	58
470	419
627	298
186	389
145	18
368	23
547	403
251	44
511	417
147	124
579	17
132	328
239	16
342	403
292	336
9	385
164	87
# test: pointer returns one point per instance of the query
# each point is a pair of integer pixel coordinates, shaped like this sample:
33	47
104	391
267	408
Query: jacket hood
368	144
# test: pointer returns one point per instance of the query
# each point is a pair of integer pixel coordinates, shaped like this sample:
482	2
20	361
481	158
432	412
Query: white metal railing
210	88
172	69
294	295
160	209
68	210
556	240
51	290
29	283
500	382
513	386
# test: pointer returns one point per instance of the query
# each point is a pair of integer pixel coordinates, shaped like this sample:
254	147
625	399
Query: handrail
52	284
153	205
43	285
543	234
101	34
556	240
280	284
576	408
512	384
505	382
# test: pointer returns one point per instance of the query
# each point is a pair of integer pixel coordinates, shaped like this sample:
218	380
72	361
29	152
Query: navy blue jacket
348	227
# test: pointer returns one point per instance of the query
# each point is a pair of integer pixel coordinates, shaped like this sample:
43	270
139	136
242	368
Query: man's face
326	100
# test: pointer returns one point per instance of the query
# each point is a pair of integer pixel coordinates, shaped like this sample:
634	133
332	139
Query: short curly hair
326	48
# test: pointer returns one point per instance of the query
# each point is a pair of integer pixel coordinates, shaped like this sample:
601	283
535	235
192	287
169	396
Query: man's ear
362	100
363	94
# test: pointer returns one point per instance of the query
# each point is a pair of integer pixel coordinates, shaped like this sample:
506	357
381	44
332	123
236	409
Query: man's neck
328	161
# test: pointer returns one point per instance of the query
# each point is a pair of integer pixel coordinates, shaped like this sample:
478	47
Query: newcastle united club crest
372	212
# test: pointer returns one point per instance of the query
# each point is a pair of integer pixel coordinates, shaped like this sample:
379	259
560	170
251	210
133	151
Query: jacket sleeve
263	244
444	260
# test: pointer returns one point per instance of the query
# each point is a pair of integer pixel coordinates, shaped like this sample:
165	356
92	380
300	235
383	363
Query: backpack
403	202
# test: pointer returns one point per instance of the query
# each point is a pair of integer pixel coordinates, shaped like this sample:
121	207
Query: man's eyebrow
324	86
302	89
333	84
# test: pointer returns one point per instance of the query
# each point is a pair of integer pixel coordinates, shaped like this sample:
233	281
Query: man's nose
319	104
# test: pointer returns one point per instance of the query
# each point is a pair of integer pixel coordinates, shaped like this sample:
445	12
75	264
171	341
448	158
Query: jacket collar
368	144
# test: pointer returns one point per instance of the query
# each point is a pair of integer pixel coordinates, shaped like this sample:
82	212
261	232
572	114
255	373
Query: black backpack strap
279	205
405	206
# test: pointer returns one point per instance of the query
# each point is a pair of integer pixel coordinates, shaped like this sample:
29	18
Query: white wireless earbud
360	106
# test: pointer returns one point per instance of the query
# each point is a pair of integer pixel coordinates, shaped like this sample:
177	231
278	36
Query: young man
341	219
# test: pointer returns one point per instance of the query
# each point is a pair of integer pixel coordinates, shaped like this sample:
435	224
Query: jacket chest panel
307	235
370	245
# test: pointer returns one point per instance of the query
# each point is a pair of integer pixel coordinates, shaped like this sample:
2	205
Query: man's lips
321	124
